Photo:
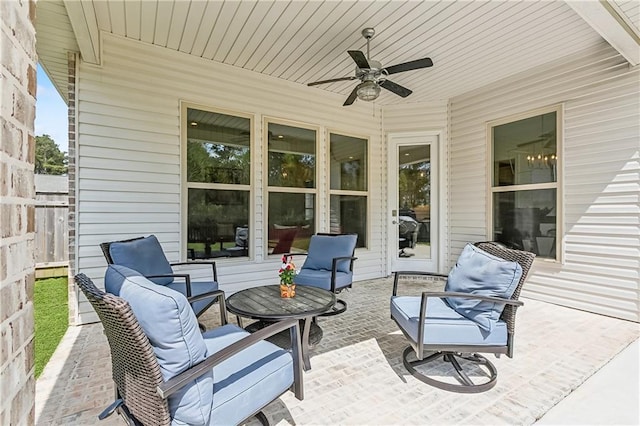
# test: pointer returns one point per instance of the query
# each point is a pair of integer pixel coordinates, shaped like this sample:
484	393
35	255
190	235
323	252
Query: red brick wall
17	212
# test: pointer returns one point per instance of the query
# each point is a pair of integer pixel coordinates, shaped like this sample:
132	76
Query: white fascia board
603	18
85	28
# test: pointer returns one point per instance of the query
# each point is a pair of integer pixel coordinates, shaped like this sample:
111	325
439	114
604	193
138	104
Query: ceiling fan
373	76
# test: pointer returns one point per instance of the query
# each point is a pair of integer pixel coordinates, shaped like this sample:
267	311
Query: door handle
394	222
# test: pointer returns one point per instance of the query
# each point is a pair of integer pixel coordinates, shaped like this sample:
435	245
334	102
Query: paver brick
357	375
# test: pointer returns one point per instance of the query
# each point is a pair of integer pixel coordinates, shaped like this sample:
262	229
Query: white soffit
472	44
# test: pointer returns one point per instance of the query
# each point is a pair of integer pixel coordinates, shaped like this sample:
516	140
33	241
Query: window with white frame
218	179
291	186
524	182
348	168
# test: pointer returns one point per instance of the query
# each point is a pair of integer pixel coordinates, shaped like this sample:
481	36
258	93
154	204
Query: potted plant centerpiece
287	272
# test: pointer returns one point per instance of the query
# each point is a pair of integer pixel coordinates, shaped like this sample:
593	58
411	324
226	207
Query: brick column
71	111
17	211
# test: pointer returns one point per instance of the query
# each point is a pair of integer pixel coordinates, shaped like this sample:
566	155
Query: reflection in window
292	156
218	155
217	148
525	181
349	216
291	221
348	169
414	201
291	172
525	151
348	165
526	220
217	223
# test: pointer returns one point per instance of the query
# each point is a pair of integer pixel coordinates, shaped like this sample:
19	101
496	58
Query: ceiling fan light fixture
368	91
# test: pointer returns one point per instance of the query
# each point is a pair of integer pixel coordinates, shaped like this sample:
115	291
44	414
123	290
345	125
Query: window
291	177
218	170
525	163
348	168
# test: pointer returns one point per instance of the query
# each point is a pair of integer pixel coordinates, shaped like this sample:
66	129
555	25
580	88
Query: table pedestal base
311	336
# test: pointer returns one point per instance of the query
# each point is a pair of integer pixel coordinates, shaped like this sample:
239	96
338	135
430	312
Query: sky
51	112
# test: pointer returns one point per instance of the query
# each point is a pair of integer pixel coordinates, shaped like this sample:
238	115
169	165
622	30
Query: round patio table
265	304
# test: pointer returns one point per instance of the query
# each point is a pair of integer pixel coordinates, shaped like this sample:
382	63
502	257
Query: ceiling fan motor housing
370	74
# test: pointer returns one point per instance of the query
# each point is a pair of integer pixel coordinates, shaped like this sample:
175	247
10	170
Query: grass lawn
51	318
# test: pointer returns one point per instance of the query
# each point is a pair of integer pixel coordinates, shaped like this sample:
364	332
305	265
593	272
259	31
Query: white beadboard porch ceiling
471	44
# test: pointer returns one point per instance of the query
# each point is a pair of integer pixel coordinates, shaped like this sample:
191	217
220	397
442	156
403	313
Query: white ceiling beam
604	18
85	28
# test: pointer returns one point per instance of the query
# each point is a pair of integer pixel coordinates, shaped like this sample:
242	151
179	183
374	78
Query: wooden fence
52	227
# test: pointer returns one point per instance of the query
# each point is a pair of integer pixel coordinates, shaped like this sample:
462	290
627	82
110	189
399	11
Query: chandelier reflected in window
542	159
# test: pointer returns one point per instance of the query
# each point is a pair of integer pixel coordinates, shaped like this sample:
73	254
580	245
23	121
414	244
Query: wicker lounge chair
223	376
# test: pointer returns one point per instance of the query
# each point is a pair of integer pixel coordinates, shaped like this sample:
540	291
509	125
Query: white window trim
185	185
319	204
350	192
558	185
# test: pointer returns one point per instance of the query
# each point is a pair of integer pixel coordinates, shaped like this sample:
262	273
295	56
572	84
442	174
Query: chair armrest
216	294
294	254
186	277
501	300
200	262
397	274
169	387
334	269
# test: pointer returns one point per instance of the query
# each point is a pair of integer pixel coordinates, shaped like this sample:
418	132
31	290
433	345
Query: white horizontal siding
601	179
129	177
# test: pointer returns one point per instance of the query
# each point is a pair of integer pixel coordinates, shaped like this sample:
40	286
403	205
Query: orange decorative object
287	291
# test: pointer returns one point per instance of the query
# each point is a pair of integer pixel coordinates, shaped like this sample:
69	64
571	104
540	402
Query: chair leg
466	383
262	418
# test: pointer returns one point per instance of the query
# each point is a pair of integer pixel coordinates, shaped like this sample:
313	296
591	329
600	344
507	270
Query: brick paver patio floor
357	376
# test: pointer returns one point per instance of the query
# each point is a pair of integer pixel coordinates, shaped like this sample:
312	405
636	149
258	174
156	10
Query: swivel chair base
466	384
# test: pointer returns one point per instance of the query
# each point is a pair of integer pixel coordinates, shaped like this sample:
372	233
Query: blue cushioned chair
474	314
146	256
329	265
167	372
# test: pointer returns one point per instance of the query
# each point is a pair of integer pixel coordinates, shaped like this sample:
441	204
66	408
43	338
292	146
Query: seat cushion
323	248
322	278
197	288
481	273
172	329
249	380
144	255
443	325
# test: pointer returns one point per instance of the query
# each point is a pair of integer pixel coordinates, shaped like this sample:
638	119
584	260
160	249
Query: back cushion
172	329
481	273
323	248
144	255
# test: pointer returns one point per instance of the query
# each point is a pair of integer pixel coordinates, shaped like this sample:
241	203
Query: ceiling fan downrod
368	33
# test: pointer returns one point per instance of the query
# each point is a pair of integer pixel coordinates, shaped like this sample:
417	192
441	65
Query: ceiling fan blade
396	88
333	80
352	97
359	58
408	66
